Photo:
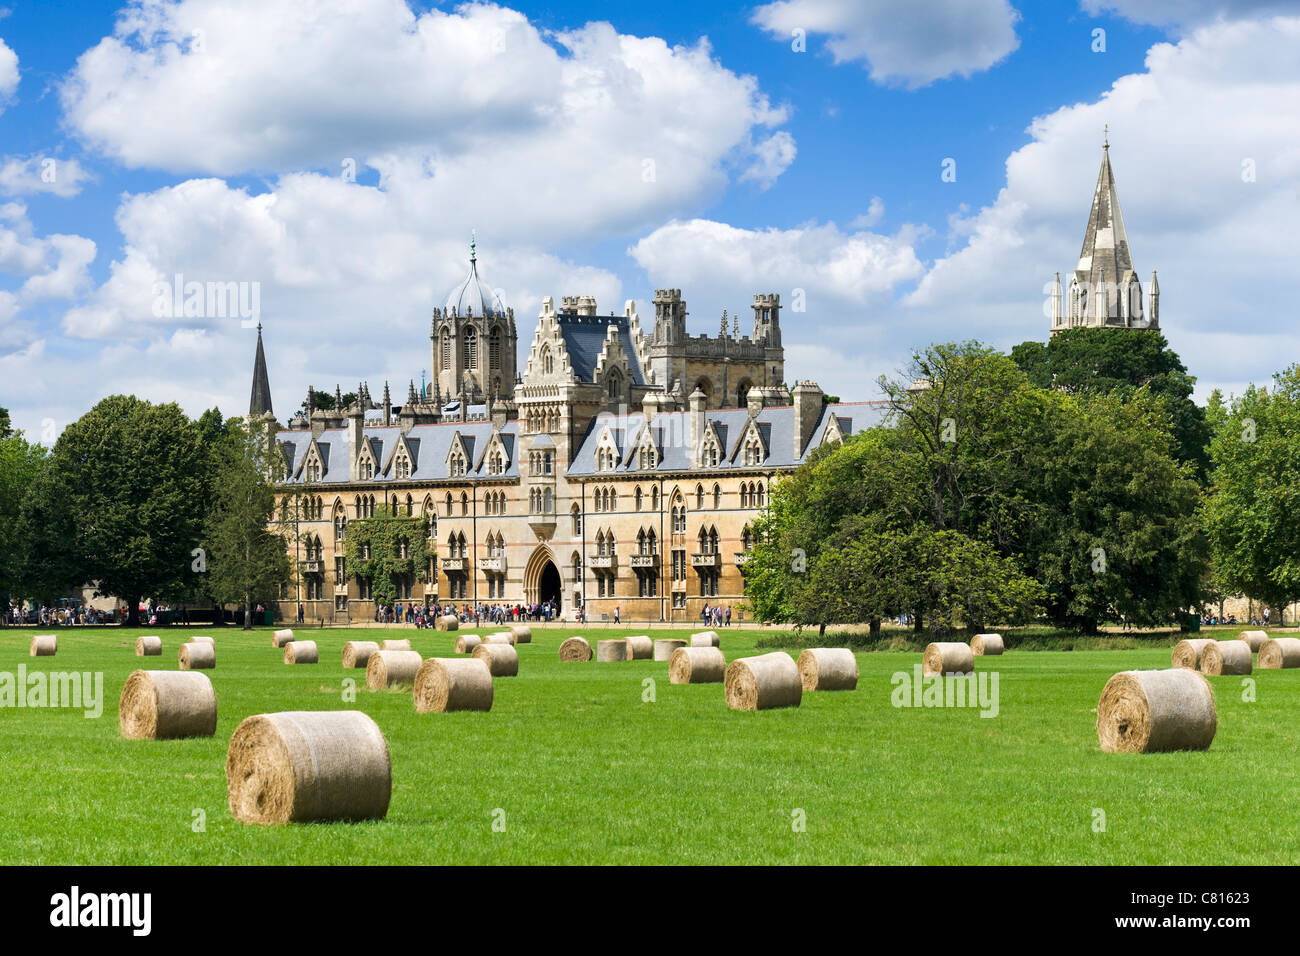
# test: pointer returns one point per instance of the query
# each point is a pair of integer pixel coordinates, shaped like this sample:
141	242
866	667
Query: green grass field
586	772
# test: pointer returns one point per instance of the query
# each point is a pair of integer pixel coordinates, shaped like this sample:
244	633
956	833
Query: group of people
499	614
69	616
716	616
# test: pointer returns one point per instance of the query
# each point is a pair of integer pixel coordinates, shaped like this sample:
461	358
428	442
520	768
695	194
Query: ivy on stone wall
382	538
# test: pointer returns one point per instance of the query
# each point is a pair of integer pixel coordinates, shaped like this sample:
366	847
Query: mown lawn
587	772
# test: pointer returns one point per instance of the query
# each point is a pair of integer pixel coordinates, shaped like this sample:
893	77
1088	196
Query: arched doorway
548	585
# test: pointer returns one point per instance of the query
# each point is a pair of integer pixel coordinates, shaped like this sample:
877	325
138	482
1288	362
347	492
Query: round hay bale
639	648
404	644
301	652
947	657
575	650
1187	653
522	632
763	682
828	668
446	622
609	651
453	683
502	659
386	669
989	644
697	665
44	645
308	765
1279	652
1155	711
467	642
1254	639
665	646
200	639
1226	657
197	657
281	638
357	653
166	705
705	639
150	646
500	637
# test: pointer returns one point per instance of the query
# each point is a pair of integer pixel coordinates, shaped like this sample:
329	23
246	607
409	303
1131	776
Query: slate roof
429	446
584	338
671	431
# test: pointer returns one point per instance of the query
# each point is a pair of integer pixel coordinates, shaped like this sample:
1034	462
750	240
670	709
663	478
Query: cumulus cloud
1209	181
24	175
573	130
8	74
1185	13
908	42
53	266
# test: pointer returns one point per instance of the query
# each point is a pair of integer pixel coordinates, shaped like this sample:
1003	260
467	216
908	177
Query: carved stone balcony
741	557
640	561
603	562
494	565
460	565
709	559
310	567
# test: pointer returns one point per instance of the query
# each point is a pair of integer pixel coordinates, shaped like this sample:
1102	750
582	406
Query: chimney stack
807	413
698	402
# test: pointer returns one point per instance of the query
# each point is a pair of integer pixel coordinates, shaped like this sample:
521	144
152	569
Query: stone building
1104	291
623	469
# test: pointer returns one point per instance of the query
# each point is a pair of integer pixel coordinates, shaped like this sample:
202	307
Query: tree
20	463
386	549
1121	361
1252	510
247	560
119	503
6	427
325	400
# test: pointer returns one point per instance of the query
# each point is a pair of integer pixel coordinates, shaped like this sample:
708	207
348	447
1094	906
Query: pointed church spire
1105	242
259	402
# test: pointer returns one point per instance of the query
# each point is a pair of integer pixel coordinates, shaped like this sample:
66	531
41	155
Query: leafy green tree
119	503
1252	511
20	463
247	557
385	549
6	427
1121	361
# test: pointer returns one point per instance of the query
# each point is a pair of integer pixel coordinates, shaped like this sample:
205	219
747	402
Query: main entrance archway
542	581
548	585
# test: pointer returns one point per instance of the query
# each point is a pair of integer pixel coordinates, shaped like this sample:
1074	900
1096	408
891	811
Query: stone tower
1104	291
473	342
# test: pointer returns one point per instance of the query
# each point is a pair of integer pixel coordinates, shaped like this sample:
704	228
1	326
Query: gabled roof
584	340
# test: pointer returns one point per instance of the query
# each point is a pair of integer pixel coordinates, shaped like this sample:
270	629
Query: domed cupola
474	294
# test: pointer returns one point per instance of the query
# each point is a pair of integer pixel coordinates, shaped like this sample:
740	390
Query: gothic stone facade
624	469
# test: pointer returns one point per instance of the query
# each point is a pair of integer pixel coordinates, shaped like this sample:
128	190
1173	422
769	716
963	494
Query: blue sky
208	139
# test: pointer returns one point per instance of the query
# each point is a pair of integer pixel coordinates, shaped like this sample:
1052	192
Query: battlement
668	295
767	298
578	305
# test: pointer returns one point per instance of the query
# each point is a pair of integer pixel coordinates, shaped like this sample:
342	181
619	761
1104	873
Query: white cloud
23	175
875	212
1186	13
772	157
591	129
910	42
53	266
8	74
1180	133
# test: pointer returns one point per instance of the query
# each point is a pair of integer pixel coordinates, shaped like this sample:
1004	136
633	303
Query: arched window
444	350
471	347
576	515
747	539
654	499
449	504
744	495
464	503
615	384
548	504
717	497
410	506
652	542
760	494
699	497
494	348
638	499
548	363
640	542
713	541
